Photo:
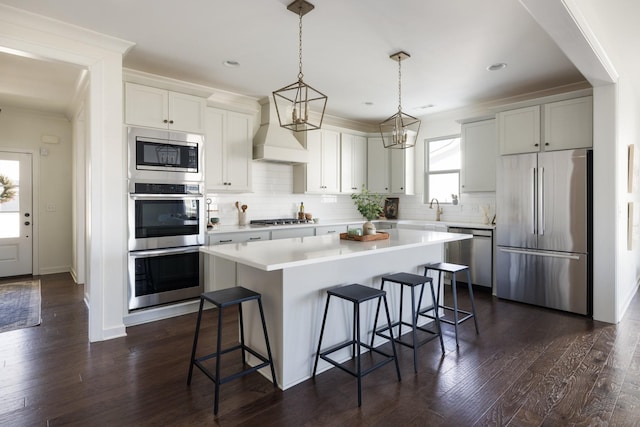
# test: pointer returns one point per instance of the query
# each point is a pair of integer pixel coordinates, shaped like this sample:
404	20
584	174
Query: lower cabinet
331	229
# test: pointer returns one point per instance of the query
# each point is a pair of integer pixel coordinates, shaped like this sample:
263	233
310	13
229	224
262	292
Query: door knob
27	223
27	214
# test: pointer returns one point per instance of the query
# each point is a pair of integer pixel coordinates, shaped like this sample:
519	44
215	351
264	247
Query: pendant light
295	102
399	130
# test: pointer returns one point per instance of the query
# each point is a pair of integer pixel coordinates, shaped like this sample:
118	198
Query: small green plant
369	204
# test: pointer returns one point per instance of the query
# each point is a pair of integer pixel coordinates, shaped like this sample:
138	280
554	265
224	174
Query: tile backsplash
273	197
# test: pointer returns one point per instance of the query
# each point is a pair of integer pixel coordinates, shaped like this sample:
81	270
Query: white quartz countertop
279	254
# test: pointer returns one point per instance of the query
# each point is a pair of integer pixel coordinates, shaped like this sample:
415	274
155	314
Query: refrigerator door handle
534	203
539	253
541	188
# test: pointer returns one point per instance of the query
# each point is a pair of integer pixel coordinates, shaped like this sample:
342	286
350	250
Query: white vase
368	228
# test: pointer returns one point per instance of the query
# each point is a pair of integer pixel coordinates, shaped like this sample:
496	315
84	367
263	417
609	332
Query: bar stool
411	280
222	299
357	294
444	267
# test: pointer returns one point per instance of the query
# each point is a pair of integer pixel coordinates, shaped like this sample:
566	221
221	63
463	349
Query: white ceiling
346	48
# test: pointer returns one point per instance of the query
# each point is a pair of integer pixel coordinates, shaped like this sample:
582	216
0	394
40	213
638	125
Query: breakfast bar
294	274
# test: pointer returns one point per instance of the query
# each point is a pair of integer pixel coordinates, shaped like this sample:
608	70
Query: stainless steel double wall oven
166	219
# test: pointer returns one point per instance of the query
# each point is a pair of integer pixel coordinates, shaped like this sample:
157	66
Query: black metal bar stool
222	299
357	294
444	267
411	280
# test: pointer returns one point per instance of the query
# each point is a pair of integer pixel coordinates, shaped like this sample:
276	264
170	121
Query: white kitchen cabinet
293	231
353	163
322	174
519	130
479	152
389	170
378	164
162	109
567	125
228	151
330	229
220	273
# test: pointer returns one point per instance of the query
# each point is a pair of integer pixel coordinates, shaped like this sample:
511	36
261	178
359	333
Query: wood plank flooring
528	367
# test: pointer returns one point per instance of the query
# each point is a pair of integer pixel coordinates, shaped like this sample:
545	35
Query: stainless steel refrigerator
544	229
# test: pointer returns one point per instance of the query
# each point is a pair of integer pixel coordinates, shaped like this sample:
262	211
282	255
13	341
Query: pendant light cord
300	75
399	84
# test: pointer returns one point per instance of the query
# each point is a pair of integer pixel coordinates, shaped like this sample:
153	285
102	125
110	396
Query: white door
15	214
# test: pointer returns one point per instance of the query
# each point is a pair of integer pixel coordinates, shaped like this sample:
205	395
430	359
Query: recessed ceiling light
497	67
424	107
369	103
231	64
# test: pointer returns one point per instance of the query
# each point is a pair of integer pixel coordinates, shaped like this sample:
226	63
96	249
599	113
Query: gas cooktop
279	221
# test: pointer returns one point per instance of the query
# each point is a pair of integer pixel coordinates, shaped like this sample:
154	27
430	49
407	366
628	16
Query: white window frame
427	172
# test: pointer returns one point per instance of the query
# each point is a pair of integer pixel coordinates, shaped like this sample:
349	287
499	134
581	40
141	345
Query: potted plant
370	206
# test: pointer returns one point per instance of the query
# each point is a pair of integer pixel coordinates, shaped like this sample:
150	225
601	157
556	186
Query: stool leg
356	337
244	356
437	319
393	343
266	340
375	322
218	349
473	304
414	325
324	321
455	305
400	314
195	342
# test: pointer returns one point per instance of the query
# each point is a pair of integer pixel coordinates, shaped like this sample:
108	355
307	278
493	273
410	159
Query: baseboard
55	270
152	314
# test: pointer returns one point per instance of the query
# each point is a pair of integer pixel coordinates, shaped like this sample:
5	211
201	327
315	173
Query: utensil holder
242	218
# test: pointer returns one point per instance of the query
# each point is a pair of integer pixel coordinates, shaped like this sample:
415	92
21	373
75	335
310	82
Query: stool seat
446	267
356	294
411	280
230	296
222	299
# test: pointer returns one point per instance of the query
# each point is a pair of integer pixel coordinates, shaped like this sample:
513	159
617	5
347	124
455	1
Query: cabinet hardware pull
255	238
226	241
170	121
165	121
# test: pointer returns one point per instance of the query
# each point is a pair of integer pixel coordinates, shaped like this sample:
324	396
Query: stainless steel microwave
165	156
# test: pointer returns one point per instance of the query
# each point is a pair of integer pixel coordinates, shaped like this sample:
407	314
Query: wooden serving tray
380	235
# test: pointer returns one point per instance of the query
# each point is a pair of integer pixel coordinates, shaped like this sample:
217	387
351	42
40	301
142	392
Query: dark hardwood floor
528	367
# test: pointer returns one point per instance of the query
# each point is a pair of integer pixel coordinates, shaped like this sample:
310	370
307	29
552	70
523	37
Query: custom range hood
273	143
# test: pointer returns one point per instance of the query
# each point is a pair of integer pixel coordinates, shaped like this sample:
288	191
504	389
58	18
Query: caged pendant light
295	102
399	130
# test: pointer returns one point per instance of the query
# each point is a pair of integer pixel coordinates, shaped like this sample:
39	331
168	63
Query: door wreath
8	189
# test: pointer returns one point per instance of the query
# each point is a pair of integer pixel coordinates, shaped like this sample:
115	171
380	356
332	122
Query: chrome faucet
438	210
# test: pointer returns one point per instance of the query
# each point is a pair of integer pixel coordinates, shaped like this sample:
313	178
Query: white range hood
273	143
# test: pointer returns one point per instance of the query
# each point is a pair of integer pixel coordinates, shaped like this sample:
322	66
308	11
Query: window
442	174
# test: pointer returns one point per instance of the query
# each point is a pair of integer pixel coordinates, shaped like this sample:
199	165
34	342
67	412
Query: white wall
23	129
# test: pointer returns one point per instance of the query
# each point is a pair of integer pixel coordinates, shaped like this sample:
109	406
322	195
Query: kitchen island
294	274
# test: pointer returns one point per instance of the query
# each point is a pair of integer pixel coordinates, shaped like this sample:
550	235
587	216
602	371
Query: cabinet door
353	163
238	151
186	112
314	167
402	169
146	106
377	166
519	130
568	124
213	153
479	152
330	162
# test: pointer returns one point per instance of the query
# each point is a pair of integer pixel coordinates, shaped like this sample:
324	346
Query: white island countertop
279	254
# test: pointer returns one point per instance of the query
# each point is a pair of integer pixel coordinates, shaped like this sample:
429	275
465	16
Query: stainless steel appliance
544	229
165	215
477	253
164	275
164	156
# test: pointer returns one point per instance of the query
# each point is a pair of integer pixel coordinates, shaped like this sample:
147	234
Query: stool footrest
468	314
388	357
198	362
398	339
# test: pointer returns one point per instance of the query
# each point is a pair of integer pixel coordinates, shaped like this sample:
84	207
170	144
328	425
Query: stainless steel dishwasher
477	253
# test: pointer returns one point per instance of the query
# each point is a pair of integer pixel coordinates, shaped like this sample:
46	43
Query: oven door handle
137	196
160	252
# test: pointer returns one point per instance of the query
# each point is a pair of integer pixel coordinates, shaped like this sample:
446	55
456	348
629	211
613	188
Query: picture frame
391	207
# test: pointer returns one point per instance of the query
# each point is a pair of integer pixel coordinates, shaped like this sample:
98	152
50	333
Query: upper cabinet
228	150
353	163
162	109
566	124
389	170
479	152
322	174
